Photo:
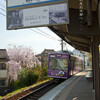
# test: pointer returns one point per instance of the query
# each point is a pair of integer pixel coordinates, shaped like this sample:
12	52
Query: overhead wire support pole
61	45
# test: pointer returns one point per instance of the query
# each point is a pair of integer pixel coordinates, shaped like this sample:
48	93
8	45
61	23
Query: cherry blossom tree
24	56
13	68
20	57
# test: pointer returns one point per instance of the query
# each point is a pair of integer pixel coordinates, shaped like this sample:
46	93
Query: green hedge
26	77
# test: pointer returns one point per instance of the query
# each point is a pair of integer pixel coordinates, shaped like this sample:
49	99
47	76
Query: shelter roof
76	33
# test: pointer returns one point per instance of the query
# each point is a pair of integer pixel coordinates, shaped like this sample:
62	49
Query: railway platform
74	88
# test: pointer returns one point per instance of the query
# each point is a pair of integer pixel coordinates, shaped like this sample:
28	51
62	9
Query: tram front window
58	64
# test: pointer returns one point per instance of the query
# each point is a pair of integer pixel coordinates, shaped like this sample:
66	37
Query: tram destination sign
37	16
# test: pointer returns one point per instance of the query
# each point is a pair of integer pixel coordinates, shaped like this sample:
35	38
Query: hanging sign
21	3
36	16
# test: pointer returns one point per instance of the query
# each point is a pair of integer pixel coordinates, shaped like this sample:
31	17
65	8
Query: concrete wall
4	76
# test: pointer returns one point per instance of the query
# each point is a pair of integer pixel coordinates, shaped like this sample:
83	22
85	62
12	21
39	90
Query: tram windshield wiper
61	68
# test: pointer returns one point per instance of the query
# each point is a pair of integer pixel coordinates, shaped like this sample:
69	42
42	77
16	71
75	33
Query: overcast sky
37	38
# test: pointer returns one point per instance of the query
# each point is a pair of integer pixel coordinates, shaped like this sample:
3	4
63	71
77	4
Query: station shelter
83	33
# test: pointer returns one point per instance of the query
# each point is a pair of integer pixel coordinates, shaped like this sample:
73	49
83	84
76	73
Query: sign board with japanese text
35	16
21	3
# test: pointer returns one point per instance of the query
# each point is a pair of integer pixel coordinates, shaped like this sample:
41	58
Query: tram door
72	66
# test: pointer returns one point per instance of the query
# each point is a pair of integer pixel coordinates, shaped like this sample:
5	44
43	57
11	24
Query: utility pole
61	45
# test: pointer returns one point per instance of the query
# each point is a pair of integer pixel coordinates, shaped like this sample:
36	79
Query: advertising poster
39	16
36	16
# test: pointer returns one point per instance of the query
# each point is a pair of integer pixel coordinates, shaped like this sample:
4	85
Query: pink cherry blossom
20	57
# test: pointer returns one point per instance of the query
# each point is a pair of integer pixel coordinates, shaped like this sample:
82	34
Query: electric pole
61	45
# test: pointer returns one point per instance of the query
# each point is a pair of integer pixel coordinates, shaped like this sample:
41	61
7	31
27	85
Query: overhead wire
2	6
46	34
3	9
3	14
42	34
51	31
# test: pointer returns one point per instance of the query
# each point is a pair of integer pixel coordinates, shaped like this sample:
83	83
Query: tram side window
2	66
76	64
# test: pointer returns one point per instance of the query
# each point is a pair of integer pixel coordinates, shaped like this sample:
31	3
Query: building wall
3	75
3	68
44	56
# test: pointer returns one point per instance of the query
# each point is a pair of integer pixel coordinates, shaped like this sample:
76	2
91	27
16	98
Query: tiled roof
48	51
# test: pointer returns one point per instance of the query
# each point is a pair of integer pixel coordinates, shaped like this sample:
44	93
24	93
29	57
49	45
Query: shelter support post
96	67
92	63
89	12
99	13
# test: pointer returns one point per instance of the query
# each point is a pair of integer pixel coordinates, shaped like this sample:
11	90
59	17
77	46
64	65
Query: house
3	69
43	57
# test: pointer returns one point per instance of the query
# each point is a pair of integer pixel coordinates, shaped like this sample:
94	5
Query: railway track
37	93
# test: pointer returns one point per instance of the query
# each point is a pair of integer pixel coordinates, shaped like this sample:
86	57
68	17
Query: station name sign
35	13
21	3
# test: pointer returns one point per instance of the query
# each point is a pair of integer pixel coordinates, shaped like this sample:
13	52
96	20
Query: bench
89	76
